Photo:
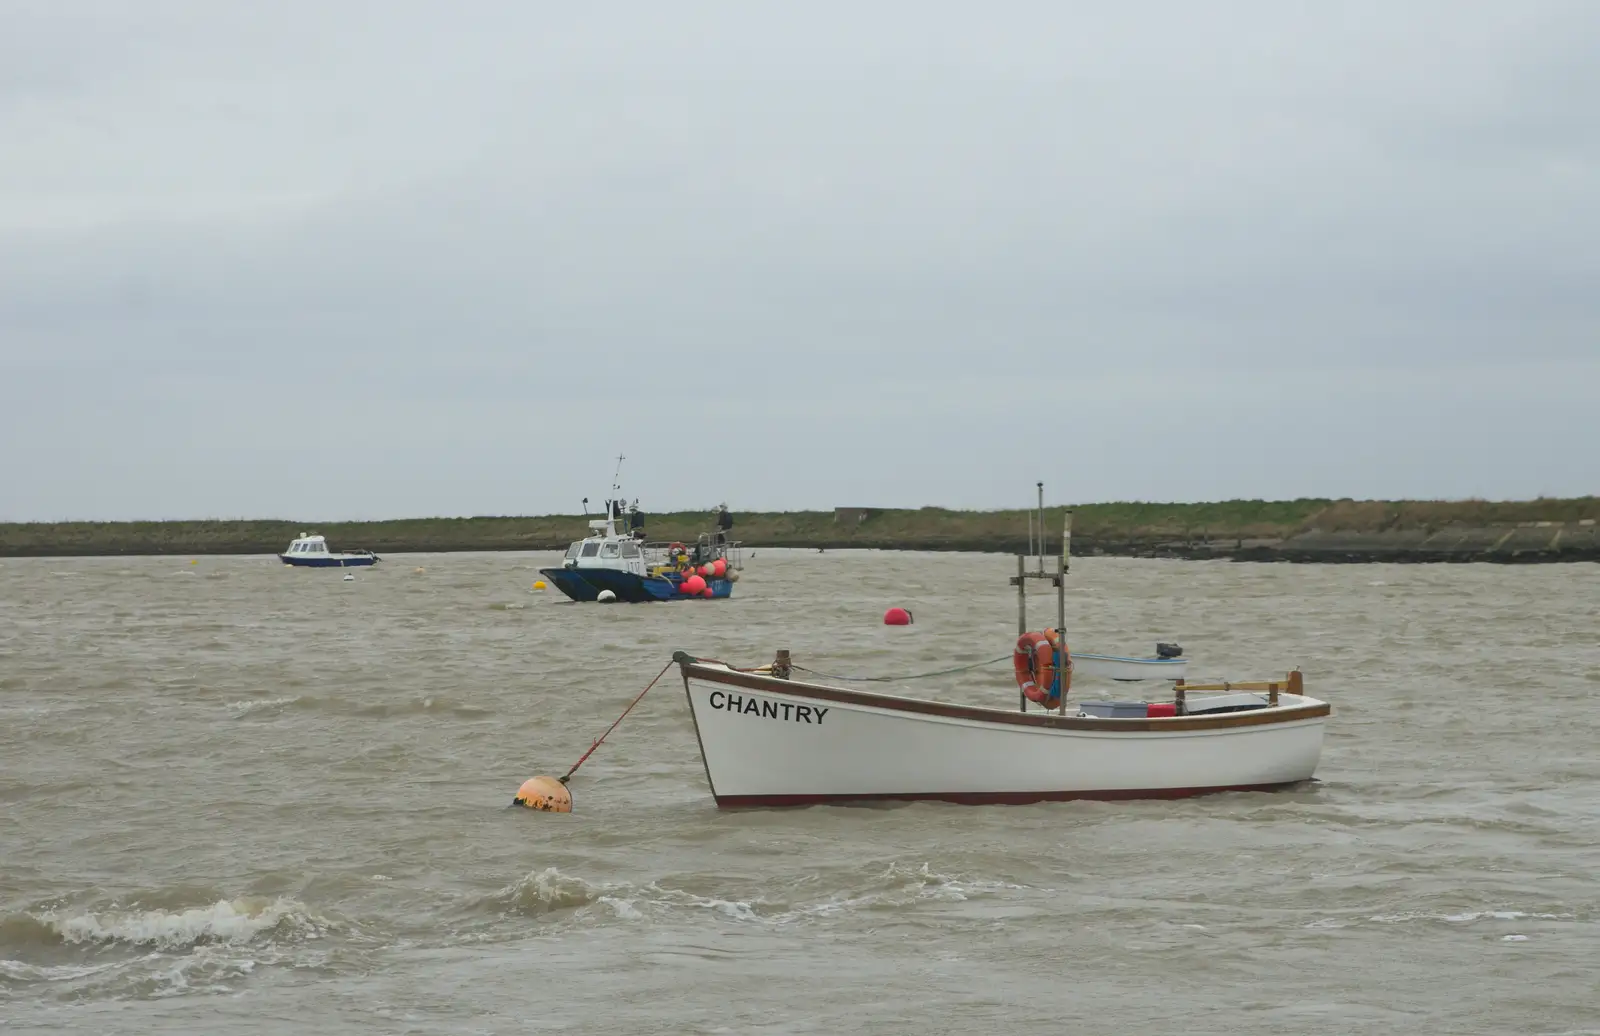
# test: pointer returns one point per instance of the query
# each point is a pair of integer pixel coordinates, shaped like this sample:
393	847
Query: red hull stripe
986	798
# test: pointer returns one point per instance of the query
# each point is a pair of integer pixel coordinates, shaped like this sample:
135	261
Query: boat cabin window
608	550
572	551
630	549
590	549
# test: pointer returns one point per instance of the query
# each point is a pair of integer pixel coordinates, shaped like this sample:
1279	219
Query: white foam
245	708
233	921
623	908
1470	916
552	889
738	909
204	971
22	971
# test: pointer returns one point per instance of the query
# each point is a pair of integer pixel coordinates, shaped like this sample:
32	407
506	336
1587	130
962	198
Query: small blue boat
310	551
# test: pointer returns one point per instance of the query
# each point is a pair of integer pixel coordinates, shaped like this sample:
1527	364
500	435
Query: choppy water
236	797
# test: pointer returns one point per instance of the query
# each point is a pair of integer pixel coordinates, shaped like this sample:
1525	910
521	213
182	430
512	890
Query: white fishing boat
768	739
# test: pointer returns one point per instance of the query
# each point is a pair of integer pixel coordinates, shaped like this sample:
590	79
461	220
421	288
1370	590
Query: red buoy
897	617
708	592
719	568
692	585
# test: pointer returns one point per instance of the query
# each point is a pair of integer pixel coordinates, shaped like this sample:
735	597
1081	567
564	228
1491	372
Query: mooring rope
613	726
908	676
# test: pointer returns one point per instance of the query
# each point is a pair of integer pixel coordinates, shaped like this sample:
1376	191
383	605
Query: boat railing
704	546
1294	683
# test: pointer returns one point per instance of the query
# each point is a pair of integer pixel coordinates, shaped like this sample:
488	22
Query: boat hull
329	561
585	584
771	742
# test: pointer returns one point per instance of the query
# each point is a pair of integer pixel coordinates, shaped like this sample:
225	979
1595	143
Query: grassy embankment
1118	528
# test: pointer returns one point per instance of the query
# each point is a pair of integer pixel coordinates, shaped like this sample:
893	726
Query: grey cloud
812	240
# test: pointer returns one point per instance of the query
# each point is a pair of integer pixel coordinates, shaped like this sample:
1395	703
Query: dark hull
585	585
306	561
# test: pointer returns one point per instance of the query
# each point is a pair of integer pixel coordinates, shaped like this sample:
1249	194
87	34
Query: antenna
1041	528
616	479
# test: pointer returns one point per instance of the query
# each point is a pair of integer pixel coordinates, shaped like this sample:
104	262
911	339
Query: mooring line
613	726
909	676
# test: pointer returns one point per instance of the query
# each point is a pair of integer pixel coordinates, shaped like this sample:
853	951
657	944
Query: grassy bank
1117	528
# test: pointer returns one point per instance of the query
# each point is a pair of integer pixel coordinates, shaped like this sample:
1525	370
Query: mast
1057	577
614	505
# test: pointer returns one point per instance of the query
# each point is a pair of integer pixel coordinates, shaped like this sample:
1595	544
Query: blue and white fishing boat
311	551
615	563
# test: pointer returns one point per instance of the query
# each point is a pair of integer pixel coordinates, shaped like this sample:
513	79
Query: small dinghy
769	739
1168	664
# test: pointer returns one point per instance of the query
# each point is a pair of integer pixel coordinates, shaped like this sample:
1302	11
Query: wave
240	920
120	951
435	705
551	892
241	709
1459	919
544	892
1468	917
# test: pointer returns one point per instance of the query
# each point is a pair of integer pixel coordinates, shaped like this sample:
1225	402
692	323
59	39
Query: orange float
545	794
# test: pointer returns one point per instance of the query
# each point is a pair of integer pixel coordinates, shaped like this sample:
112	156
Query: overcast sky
360	260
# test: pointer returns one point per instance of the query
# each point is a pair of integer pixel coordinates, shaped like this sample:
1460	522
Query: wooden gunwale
1037	720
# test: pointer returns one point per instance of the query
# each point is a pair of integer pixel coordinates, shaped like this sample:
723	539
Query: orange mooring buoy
550	794
545	794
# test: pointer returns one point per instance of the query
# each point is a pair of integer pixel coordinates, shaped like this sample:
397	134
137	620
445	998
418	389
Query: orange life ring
1034	661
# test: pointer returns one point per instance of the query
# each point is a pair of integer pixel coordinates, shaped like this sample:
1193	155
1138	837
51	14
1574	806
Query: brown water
249	799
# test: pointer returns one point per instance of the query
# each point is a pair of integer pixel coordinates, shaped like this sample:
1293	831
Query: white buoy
606	597
349	577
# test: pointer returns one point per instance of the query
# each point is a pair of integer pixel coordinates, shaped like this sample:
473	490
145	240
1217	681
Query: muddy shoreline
1528	543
